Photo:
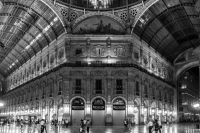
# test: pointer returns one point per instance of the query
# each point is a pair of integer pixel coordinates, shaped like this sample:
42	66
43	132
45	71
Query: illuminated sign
119	107
78	107
98	107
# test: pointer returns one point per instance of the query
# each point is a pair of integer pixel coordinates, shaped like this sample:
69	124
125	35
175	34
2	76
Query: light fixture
196	105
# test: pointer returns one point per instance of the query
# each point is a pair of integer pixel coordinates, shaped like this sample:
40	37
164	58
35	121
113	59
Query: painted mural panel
98	25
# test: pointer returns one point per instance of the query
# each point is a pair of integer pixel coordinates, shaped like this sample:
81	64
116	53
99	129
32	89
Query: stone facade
46	85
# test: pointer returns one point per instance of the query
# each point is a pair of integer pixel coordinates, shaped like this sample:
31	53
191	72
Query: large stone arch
185	68
99	97
77	97
121	98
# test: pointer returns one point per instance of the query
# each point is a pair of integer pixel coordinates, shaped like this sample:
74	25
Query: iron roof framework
26	27
170	27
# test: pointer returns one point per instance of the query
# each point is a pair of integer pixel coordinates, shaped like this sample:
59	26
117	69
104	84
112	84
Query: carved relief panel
99	50
119	50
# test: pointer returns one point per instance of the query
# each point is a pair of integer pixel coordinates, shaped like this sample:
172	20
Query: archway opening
78	111
119	112
98	112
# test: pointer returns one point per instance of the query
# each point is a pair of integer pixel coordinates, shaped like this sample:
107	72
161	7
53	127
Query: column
66	92
109	108
88	94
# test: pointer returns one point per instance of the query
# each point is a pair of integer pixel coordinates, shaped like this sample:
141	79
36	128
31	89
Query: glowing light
109	109
196	105
153	110
1	104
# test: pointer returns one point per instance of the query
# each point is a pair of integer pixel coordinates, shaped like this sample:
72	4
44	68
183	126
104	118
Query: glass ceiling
170	27
27	26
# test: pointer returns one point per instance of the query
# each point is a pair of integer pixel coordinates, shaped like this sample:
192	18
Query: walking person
66	123
88	126
157	126
160	126
82	127
129	124
125	123
43	126
84	124
21	124
150	126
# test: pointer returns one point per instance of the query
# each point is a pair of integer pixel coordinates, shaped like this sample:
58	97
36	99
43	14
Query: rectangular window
180	108
43	92
51	90
119	86
119	51
78	86
78	51
98	86
145	91
59	87
98	63
137	88
78	63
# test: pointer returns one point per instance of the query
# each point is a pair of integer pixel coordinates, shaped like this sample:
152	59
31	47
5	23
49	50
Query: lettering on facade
78	107
118	107
98	107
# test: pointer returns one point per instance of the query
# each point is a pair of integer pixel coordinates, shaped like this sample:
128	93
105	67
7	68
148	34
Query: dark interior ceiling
170	27
195	72
26	27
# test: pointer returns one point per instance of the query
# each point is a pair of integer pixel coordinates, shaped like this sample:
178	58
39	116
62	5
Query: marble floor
173	128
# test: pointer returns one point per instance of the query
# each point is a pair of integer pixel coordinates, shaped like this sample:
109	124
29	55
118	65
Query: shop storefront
98	112
78	111
119	112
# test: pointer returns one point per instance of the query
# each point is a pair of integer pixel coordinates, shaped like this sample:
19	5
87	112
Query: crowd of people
154	126
84	126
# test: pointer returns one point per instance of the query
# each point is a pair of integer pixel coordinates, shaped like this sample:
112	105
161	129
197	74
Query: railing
119	92
78	92
98	92
96	65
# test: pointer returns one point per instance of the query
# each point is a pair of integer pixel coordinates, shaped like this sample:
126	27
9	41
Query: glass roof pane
187	1
28	38
171	3
58	28
195	20
43	42
190	10
178	13
26	2
172	27
183	22
145	19
39	7
165	18
23	43
158	8
3	19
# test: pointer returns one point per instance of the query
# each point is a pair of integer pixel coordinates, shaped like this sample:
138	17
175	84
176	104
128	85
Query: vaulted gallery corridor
105	64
